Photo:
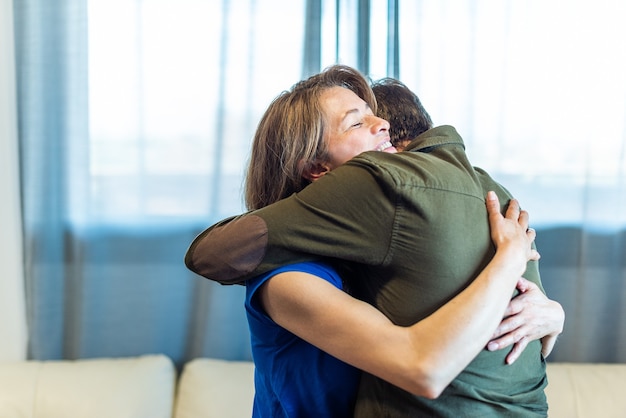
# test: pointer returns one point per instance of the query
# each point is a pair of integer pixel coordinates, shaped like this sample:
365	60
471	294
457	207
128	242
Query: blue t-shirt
292	377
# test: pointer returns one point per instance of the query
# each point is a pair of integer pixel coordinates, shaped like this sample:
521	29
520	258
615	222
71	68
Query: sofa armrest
211	388
138	387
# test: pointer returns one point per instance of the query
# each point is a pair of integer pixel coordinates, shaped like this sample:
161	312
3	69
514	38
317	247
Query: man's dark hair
402	109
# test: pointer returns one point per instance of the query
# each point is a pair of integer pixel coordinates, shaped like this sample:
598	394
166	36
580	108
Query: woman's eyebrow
347	114
354	110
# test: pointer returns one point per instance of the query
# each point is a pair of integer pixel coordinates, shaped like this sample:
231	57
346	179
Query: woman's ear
315	171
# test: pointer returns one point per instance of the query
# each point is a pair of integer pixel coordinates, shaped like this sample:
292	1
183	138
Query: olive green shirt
414	232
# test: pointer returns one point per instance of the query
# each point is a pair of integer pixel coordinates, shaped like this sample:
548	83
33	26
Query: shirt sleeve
320	270
349	214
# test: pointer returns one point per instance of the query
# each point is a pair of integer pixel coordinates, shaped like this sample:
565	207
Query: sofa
149	387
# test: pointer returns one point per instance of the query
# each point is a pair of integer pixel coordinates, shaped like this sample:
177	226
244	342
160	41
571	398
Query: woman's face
353	128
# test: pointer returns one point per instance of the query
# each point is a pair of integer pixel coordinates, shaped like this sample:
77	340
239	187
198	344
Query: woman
306	132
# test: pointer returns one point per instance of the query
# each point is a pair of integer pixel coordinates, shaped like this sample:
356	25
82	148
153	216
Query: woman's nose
379	124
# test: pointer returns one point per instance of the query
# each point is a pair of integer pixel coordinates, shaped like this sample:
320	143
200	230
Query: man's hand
529	316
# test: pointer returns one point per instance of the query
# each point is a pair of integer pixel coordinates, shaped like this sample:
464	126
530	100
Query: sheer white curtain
538	91
175	90
135	119
12	306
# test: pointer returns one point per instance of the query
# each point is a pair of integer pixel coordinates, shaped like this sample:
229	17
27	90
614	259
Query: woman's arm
423	358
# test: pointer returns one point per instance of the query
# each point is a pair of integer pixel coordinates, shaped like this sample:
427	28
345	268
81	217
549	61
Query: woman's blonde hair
290	135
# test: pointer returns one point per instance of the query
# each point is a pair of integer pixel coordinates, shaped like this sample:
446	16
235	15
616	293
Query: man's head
402	109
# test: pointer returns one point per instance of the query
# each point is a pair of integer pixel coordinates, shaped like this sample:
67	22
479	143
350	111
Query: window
175	92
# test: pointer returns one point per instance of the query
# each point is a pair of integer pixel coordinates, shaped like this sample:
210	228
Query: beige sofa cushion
580	390
138	387
211	388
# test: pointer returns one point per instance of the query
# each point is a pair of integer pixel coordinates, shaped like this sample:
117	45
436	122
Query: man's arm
308	225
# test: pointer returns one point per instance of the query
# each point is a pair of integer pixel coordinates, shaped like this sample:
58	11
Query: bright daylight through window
176	90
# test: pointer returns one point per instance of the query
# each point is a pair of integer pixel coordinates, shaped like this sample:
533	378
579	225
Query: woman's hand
511	232
531	315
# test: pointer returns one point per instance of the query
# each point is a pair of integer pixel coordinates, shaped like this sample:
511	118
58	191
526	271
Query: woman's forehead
340	101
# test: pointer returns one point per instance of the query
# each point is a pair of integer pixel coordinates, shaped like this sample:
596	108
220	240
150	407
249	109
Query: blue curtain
135	119
105	232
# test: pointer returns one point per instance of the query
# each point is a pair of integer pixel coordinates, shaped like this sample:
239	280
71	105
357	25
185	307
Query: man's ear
315	171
